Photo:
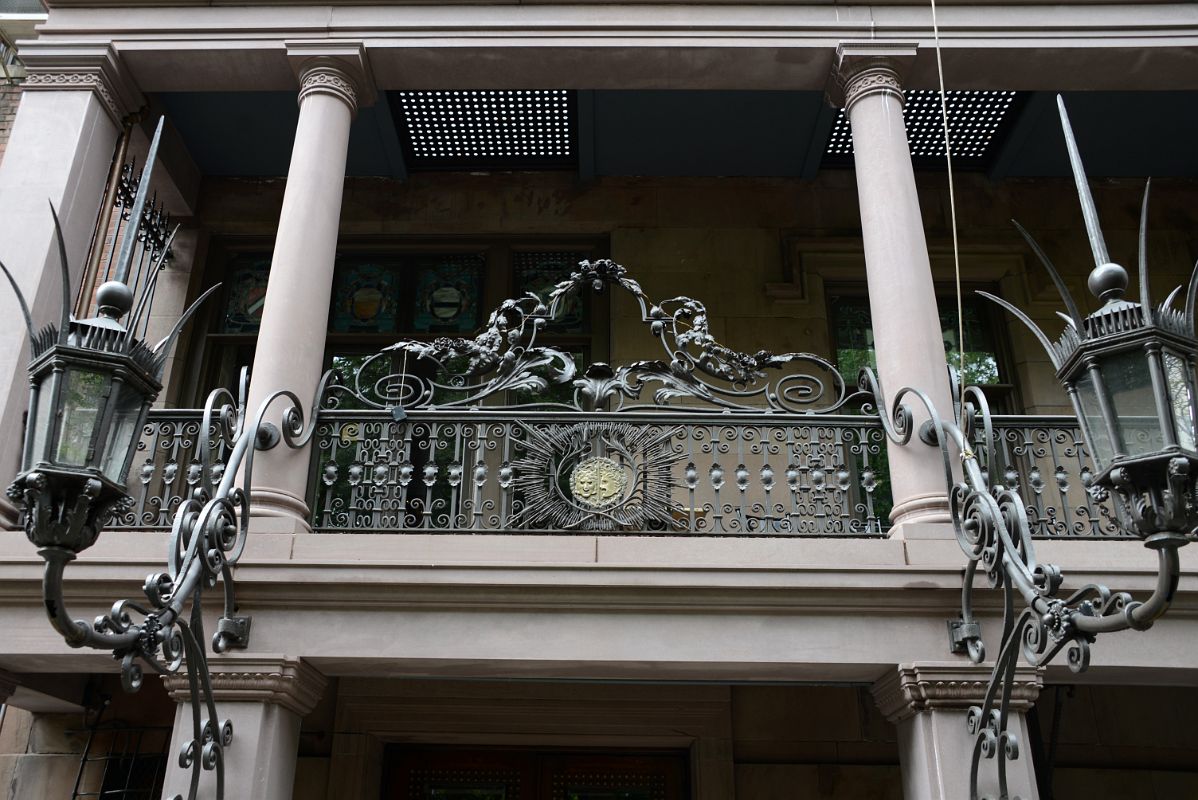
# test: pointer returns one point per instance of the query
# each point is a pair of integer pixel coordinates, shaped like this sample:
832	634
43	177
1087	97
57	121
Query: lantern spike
1067	318
147	291
1142	255
1033	327
1089	211
65	321
1171	298
1192	298
164	346
21	300
125	259
1070	306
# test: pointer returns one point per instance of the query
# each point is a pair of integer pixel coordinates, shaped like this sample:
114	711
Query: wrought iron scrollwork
992	527
207	539
696	372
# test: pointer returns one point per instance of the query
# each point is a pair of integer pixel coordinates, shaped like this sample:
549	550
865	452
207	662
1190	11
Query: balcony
468	471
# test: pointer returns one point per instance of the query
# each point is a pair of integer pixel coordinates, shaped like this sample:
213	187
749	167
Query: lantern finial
1108	282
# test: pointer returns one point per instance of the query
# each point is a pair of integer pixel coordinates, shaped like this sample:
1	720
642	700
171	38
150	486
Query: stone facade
771	666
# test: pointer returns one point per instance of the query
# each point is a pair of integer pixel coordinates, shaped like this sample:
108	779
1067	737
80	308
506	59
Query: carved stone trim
288	682
868	69
881	78
340	69
328	78
94	68
913	688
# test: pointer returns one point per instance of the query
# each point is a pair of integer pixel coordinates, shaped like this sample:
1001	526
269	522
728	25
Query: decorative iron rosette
597	476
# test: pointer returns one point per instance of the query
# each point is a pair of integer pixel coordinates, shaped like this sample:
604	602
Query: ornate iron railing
168	467
826	475
424	436
488	471
1044	459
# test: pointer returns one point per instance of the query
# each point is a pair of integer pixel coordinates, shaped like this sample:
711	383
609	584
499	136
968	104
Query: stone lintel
82	66
909	689
279	680
341	68
862	68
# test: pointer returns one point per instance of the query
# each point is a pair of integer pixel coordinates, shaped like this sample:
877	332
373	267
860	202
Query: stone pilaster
59	149
928	703
907	336
265	698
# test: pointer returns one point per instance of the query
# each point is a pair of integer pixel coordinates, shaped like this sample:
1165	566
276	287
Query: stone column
334	83
60	150
928	703
902	300
265	698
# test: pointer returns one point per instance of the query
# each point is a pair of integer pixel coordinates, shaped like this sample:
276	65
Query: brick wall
10	98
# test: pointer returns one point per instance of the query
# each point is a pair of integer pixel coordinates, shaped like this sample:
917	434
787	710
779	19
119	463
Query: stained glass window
245	293
448	292
366	297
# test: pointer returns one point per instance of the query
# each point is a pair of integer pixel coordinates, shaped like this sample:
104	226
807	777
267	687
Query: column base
278	511
930	508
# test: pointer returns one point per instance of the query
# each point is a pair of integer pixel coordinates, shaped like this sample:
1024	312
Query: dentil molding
288	682
913	688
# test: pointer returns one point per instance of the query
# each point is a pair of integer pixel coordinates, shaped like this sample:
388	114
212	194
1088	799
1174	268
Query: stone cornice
340	69
912	688
278	680
868	68
94	67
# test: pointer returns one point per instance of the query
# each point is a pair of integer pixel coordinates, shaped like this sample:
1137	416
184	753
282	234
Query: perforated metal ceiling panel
513	128
974	118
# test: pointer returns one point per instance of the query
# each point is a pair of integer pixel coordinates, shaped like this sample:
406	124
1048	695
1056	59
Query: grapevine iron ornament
92	382
1142	435
451	373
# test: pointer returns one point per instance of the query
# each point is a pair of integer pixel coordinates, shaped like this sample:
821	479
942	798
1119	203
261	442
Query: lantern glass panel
1179	382
1129	389
82	397
121	431
41	421
1100	440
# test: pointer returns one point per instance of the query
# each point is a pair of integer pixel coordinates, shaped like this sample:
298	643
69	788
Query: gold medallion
598	482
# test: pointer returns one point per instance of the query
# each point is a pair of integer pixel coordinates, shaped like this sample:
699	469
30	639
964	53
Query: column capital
276	680
341	69
909	689
865	68
94	67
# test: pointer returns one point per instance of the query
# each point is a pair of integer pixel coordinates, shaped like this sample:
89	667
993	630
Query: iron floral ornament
697	373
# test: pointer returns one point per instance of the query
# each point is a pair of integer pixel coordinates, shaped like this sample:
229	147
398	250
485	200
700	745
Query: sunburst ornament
596	476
